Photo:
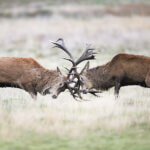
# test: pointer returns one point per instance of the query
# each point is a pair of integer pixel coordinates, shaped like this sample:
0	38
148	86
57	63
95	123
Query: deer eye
81	79
60	84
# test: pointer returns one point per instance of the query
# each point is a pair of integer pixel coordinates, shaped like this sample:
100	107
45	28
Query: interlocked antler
88	54
70	74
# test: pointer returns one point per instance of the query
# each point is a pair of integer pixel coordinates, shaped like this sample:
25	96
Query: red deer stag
122	70
29	75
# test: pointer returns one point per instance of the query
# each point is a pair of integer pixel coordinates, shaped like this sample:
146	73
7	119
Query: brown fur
122	70
28	74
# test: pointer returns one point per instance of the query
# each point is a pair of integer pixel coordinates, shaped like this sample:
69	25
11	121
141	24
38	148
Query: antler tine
71	60
62	46
88	54
66	69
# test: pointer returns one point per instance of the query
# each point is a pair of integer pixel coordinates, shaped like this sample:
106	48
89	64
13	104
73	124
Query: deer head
85	78
55	85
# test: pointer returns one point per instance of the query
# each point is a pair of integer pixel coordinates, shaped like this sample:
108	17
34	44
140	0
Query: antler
70	74
88	54
62	46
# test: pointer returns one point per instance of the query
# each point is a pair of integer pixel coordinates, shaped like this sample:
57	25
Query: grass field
111	141
97	124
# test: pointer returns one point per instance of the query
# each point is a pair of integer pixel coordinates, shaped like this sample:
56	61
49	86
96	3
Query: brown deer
29	75
122	70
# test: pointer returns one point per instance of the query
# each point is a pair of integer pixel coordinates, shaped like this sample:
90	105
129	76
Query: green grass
134	138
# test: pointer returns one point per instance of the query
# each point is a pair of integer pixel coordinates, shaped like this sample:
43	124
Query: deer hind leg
117	88
147	80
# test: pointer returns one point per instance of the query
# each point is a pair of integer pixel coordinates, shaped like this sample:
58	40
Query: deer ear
58	70
86	67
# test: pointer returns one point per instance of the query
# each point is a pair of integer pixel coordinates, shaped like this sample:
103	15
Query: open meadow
102	123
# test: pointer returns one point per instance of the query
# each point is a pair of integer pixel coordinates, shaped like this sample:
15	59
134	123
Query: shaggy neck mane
97	76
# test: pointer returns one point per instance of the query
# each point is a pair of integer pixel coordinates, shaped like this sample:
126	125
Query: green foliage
135	138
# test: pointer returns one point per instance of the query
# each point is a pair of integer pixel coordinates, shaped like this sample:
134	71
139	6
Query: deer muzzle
54	96
84	91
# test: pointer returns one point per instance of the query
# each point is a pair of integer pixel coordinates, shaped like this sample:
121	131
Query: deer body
29	75
122	70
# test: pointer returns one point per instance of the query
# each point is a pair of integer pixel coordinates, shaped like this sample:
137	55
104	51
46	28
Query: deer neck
98	76
46	76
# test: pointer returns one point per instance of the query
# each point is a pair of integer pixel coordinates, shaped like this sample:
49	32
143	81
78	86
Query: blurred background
111	26
27	28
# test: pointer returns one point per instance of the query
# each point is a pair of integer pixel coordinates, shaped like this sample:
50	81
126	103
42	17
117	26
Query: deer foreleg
33	95
30	89
147	80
